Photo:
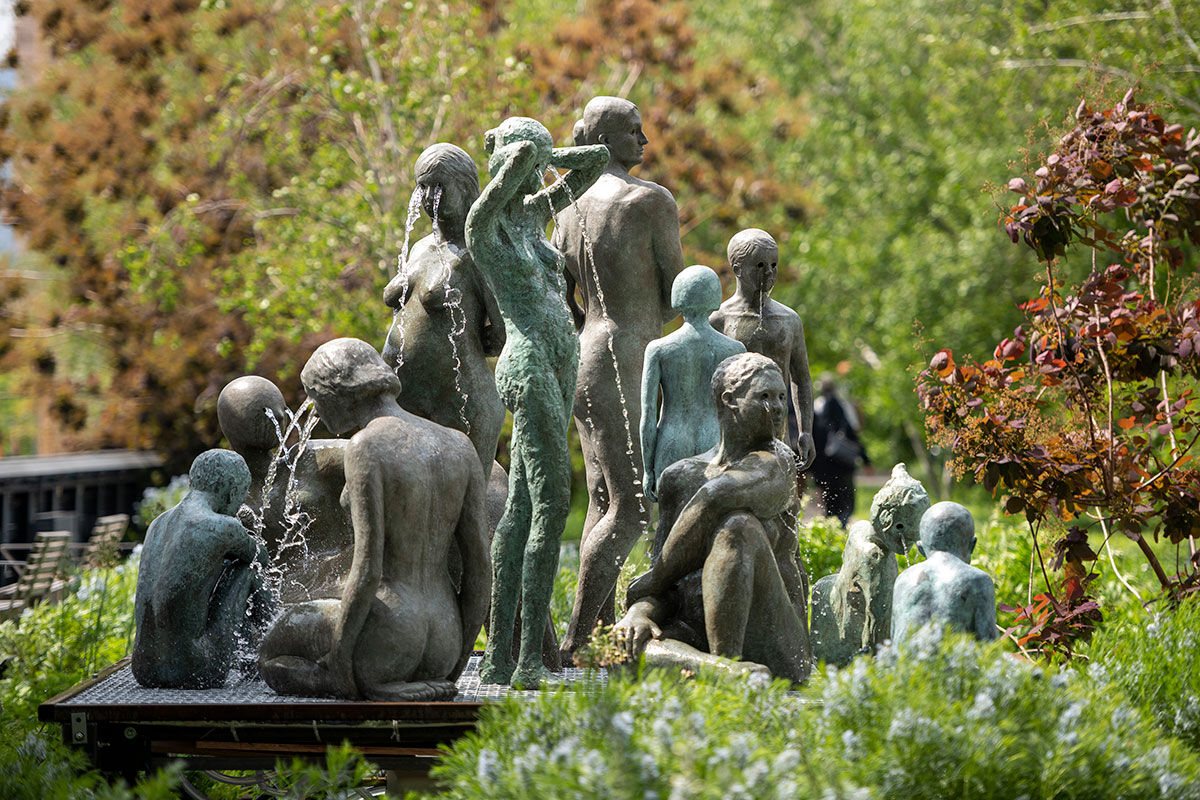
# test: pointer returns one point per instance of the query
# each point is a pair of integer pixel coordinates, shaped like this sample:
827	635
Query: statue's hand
634	630
650	486
808	450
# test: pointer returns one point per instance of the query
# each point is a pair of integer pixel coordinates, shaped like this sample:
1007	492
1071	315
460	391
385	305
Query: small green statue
535	375
945	589
852	609
682	365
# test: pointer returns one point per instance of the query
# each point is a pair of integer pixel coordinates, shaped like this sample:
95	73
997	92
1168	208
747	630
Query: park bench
39	576
102	545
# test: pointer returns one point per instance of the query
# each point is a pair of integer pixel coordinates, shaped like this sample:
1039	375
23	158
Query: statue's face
452	203
761	406
758	269
625	140
337	414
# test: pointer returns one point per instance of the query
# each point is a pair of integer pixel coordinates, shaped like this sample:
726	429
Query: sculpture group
364	566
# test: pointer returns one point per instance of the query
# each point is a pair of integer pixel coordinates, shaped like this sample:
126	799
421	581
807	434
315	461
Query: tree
1087	415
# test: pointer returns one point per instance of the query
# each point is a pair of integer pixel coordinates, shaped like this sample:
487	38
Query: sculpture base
126	728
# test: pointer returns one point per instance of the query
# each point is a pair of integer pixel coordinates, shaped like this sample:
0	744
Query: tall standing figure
621	244
535	374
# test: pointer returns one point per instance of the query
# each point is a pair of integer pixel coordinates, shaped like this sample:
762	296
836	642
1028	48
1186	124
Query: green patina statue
945	589
200	587
852	609
535	375
682	365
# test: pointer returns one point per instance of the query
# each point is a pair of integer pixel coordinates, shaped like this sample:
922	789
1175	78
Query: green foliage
37	766
1158	666
822	540
344	770
1085	414
157	499
53	646
949	718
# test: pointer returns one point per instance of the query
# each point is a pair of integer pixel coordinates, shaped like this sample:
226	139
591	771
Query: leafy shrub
53	646
822	540
1158	666
948	718
157	499
38	766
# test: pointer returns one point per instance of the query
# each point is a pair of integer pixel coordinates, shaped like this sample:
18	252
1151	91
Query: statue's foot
496	669
413	692
750	668
532	677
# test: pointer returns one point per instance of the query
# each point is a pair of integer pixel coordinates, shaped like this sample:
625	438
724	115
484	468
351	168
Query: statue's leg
289	655
747	611
605	547
674	654
413	691
548	468
508	550
229	624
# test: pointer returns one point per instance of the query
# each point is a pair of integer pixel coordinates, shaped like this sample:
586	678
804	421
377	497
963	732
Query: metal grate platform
120	688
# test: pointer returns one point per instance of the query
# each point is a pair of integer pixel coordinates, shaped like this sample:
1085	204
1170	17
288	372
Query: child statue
307	566
852	609
414	488
682	365
768	327
945	589
620	242
449	324
726	583
535	375
200	587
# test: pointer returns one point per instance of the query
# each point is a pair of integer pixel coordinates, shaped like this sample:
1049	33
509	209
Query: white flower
487	770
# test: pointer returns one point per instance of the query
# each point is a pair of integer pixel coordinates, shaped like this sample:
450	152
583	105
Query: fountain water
453	305
410	221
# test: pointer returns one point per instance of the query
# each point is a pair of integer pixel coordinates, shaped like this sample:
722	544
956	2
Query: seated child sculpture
397	629
852	609
945	588
682	365
304	566
771	328
199	586
726	581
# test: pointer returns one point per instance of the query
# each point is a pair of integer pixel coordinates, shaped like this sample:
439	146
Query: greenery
947	718
1158	666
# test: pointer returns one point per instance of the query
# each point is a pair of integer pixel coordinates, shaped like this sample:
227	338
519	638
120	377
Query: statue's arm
518	160
985	610
493	335
365	485
877	606
651	373
802	395
757	485
667	249
472	537
586	164
578	314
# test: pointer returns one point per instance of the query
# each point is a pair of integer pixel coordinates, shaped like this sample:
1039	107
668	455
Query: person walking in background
839	451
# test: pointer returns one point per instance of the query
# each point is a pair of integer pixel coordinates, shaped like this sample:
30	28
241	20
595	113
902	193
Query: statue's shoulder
652	196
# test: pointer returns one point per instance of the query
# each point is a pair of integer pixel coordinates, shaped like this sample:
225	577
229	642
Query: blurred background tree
218	187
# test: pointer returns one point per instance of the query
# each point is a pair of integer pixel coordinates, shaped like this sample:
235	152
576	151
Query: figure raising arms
535	375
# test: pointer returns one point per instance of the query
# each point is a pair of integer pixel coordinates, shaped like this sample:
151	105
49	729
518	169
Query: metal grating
120	688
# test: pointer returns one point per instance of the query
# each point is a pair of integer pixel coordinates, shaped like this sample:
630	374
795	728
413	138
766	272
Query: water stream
410	221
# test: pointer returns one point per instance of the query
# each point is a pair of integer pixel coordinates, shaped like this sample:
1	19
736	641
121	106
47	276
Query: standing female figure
450	323
506	238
